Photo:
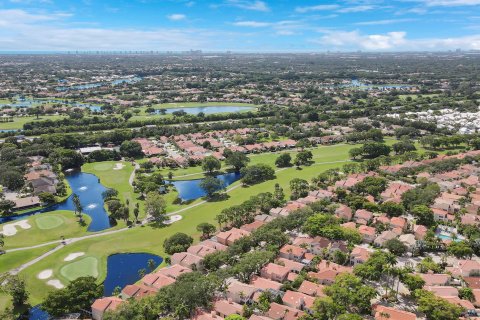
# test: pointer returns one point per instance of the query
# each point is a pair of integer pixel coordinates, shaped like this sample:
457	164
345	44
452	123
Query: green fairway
49	222
47	227
18	122
84	267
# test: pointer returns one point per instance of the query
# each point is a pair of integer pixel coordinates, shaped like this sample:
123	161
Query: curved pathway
100	234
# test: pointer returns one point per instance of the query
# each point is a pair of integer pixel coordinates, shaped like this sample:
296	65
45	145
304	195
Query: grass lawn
84	267
12	260
18	122
199	104
116	179
47	227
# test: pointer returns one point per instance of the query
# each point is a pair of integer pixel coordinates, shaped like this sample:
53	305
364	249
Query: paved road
101	234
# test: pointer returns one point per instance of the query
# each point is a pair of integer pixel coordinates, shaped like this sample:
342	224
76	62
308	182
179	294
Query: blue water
122	269
89	190
190	189
22	102
98	84
209	110
36	313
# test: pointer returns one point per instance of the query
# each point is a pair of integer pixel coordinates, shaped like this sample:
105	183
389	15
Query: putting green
46	222
87	266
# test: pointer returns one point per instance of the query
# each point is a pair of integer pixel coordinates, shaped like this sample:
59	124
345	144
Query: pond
123	269
89	190
98	84
208	109
190	189
27	102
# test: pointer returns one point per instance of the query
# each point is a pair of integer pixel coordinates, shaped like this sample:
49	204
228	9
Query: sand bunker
73	256
55	283
11	228
173	219
118	166
45	274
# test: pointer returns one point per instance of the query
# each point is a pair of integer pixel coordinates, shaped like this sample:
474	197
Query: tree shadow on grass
217	197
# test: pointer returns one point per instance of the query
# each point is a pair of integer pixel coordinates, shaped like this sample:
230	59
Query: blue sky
240	25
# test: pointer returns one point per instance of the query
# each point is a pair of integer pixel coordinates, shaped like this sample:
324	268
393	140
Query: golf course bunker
173	219
45	274
85	267
11	228
55	283
46	222
118	166
73	256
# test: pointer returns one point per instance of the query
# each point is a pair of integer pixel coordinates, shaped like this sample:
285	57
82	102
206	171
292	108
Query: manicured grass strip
49	222
45	227
84	267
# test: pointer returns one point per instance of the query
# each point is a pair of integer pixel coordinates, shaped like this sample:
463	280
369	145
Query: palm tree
391	261
78	206
2	242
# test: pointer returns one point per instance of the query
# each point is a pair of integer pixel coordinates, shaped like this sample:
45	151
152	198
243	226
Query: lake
208	109
98	84
190	189
122	269
89	190
26	102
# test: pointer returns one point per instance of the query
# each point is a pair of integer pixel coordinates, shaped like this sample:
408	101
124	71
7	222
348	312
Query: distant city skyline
239	25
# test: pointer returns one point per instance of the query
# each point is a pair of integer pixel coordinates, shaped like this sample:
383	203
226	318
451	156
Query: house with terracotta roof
275	272
214	245
384	237
281	312
174	271
420	231
265	284
204	315
188	260
359	255
343	212
389	313
368	233
398	222
465	268
200	250
100	306
293	266
292	252
250	227
363	216
298	300
435	279
157	280
229	237
240	292
312	289
137	291
442	291
225	308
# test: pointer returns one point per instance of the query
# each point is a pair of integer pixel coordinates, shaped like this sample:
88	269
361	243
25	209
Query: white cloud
383	22
356	9
393	41
253	24
451	3
176	17
322	7
248	5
